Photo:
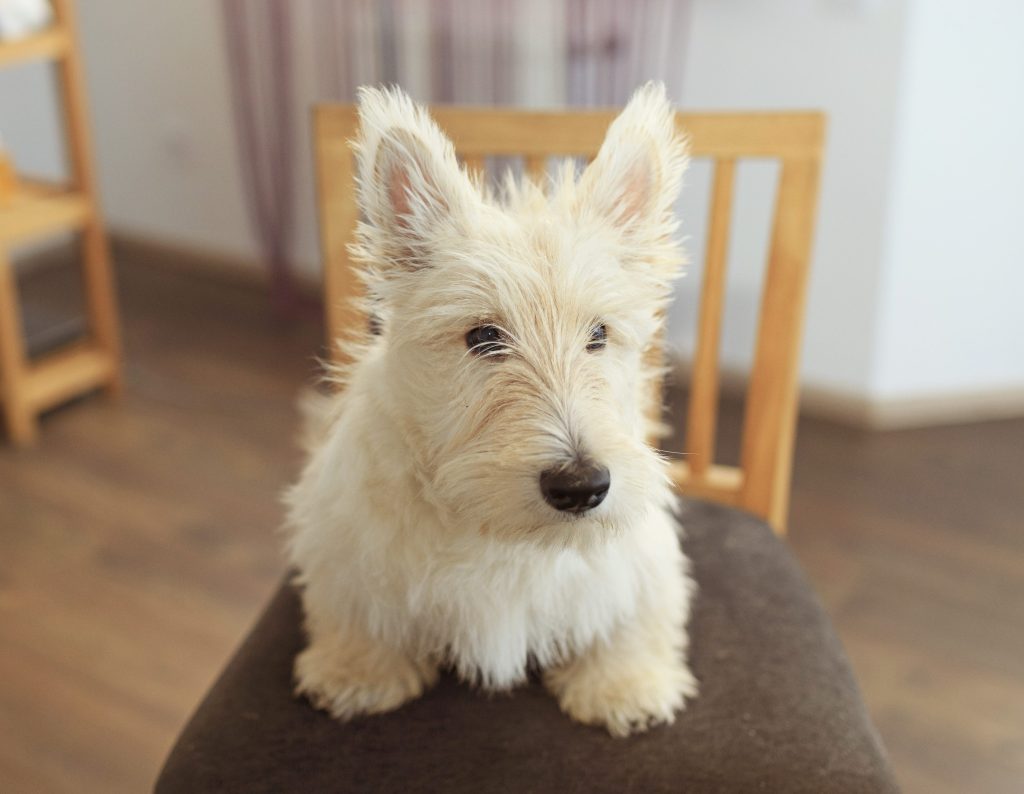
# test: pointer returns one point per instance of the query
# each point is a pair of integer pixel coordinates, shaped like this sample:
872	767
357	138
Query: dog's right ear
411	189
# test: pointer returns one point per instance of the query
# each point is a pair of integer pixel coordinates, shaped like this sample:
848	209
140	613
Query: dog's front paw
347	685
625	698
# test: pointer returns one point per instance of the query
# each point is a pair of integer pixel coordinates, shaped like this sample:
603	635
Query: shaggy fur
418	527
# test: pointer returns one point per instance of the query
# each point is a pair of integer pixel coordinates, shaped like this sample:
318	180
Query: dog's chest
507	607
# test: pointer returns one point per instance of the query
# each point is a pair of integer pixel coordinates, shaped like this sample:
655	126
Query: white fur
418	527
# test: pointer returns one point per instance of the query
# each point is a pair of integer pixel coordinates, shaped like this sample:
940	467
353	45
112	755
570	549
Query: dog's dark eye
486	340
598	338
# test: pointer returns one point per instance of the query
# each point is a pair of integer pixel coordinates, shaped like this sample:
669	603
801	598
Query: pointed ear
411	189
634	181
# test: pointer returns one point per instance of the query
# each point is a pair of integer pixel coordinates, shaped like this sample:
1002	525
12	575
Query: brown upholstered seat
778	712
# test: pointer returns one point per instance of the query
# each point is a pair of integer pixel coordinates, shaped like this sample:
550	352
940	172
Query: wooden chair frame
760	484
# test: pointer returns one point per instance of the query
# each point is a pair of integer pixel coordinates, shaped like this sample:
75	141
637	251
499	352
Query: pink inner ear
398	186
636	188
409	177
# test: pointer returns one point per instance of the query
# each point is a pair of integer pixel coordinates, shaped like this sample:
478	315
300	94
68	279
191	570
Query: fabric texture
778	711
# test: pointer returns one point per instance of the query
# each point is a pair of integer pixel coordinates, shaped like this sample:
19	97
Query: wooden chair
778	708
760	484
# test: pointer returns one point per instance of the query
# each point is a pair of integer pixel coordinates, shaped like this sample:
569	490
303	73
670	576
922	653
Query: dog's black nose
575	488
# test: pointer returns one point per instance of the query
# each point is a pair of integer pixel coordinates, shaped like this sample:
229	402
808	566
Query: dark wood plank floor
138	541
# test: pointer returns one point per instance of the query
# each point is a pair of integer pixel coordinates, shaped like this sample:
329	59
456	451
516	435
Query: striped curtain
512	52
529	53
259	48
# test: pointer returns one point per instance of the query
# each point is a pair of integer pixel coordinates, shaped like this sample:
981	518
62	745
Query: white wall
905	229
161	109
29	120
840	56
951	303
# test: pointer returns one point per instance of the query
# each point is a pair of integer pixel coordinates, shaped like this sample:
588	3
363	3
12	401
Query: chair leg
18	415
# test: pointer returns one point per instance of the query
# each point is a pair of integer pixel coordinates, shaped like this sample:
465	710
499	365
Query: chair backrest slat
536	166
702	416
769	424
334	127
474	162
761	482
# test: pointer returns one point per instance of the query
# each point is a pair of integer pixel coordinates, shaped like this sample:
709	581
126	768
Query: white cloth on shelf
20	18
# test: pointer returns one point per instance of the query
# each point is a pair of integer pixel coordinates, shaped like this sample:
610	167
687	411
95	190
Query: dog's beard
473	494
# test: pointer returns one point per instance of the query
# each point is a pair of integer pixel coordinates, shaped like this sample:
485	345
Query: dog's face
517	332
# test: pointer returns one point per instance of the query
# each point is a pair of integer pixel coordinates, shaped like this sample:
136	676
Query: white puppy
482	496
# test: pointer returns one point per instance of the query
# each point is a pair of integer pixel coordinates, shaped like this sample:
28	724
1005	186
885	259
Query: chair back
760	484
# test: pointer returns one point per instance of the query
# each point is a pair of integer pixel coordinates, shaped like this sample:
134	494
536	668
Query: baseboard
896	413
228	268
928	410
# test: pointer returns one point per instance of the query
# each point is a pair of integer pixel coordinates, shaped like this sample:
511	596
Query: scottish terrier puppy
482	497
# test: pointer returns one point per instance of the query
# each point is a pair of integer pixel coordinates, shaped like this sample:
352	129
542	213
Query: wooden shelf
66	373
29	386
36	210
48	44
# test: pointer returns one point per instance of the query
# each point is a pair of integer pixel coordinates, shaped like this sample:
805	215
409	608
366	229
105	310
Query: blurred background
138	536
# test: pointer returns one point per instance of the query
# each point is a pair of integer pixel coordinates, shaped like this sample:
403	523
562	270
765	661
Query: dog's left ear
635	179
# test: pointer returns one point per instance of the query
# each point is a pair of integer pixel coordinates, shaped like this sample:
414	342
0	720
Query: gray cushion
779	710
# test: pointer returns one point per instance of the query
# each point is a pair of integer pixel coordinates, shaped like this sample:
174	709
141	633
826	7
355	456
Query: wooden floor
137	543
